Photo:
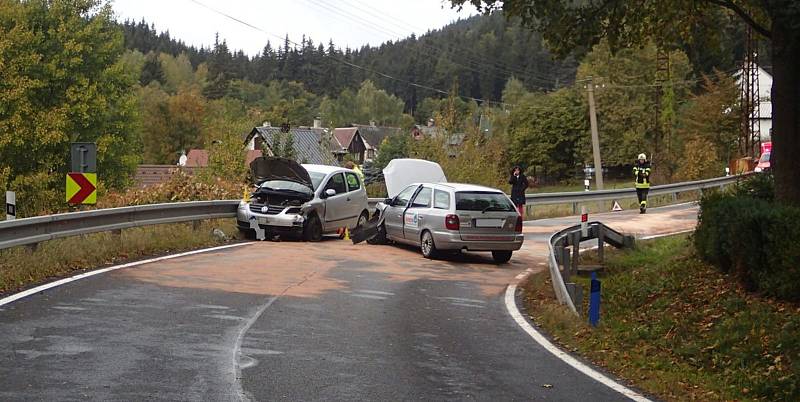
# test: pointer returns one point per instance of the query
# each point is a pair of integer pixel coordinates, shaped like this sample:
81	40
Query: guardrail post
575	292
574	208
196	225
565	263
674	197
601	240
576	250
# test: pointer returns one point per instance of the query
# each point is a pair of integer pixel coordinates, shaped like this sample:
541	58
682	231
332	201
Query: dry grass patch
679	329
22	267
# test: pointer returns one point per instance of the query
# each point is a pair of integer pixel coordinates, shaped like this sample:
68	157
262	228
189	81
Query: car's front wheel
363	219
379	238
247	234
428	246
501	257
312	231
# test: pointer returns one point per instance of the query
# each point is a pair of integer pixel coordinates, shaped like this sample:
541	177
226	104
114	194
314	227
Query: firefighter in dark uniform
641	171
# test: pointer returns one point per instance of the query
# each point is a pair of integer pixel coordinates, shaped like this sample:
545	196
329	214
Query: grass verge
678	328
22	267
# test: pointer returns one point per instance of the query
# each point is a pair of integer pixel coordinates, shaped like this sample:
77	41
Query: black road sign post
84	157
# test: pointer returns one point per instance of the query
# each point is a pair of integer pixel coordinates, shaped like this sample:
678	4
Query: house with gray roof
310	145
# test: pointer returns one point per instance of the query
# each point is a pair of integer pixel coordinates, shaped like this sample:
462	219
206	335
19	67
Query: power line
341	60
476	59
496	63
432	50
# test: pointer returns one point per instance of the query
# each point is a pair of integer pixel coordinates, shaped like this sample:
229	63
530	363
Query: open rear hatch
399	173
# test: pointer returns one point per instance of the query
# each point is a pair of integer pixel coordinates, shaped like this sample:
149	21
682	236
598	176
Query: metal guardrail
33	230
559	257
576	197
42	228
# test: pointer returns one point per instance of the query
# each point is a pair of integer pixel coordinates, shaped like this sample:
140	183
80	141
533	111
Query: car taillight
518	227
451	222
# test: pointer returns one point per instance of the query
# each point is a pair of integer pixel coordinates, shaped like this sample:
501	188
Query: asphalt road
297	321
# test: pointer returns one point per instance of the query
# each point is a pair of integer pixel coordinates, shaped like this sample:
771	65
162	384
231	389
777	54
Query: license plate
263	221
489	223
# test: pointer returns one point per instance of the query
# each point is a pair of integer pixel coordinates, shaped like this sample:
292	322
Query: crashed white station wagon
301	200
425	210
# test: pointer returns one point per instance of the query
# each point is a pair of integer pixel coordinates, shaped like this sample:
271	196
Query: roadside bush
181	187
748	235
761	186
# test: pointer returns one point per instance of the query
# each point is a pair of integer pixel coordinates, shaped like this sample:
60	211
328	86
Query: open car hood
399	173
273	168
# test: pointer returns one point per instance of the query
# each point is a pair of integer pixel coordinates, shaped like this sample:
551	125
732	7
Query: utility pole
598	165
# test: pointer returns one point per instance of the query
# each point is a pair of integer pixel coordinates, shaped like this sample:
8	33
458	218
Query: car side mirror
388	201
330	192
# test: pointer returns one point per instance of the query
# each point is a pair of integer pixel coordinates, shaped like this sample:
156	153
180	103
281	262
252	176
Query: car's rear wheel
501	257
428	246
312	231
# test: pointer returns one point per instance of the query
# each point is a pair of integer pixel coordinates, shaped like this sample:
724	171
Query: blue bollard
594	300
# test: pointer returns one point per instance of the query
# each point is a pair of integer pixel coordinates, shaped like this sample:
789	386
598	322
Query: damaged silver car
424	210
304	201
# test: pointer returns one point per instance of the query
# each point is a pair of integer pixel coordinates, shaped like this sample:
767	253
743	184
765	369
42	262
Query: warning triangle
616	207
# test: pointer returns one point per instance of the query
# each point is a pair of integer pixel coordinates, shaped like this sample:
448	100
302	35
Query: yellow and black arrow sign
82	188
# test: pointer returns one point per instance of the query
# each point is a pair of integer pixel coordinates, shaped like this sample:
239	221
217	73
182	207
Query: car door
356	197
336	206
416	213
393	214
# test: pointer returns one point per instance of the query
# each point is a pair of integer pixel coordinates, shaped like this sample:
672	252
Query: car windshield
316	179
764	157
285	185
483	201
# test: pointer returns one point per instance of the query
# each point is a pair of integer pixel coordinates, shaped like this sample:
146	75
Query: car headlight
758	170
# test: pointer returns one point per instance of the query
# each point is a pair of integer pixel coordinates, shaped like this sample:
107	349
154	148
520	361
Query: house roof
344	136
199	157
310	145
373	136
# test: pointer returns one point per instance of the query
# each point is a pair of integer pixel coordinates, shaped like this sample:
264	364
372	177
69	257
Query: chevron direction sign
82	188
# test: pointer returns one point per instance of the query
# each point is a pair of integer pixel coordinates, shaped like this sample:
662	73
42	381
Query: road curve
297	321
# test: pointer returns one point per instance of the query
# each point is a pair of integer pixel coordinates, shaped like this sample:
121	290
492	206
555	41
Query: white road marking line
463	300
363	296
377	292
468	305
237	344
511	306
666	235
69	308
42	288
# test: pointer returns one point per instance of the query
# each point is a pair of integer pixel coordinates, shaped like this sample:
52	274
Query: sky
350	23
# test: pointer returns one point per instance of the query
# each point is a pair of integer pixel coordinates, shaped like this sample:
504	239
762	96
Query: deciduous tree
569	26
61	82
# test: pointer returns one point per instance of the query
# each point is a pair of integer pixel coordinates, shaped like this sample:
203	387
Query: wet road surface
297	321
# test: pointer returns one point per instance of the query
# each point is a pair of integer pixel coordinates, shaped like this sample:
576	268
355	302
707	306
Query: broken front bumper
246	218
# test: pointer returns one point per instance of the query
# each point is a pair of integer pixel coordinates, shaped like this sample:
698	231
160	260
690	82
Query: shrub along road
297	321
